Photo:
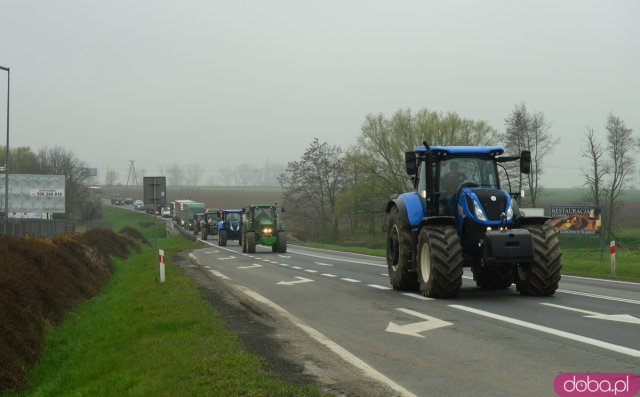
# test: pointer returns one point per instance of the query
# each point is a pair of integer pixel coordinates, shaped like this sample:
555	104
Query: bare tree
620	148
530	132
598	167
58	161
311	185
175	175
110	177
194	173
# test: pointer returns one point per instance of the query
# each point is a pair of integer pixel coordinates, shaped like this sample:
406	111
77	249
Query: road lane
347	302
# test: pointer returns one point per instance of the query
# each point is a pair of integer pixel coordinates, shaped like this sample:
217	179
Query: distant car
165	212
116	199
138	205
128	200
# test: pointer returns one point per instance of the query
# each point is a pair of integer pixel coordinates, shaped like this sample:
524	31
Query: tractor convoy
458	214
251	226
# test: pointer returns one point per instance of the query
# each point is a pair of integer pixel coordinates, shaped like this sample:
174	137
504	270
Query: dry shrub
134	233
40	281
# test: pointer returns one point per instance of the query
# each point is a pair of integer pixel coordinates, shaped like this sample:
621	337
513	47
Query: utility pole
132	173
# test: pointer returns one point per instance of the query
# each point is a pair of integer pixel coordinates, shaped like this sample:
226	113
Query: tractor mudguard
409	208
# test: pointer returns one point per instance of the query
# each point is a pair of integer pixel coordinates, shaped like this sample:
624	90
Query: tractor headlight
478	211
510	210
266	230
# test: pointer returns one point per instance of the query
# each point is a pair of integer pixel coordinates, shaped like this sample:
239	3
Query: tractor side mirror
410	163
525	162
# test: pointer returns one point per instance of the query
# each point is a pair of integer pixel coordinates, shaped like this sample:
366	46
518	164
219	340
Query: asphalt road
489	343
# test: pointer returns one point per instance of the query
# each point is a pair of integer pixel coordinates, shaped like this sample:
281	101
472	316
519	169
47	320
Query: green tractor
262	226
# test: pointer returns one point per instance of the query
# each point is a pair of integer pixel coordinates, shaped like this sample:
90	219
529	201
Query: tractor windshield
467	170
263	214
232	216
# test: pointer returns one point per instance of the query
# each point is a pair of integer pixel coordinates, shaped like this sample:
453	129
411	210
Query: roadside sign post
161	258
612	249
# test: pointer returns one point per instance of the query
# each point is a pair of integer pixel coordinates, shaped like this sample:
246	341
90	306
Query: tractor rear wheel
222	238
399	254
493	278
542	275
243	242
251	242
439	261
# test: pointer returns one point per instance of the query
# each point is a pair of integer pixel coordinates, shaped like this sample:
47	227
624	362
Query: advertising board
577	219
34	193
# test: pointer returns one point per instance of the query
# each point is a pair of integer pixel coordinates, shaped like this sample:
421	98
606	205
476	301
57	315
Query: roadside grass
143	338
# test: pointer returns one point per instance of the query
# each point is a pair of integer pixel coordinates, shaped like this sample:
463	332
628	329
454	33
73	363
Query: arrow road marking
299	281
414	329
562	334
625	318
250	267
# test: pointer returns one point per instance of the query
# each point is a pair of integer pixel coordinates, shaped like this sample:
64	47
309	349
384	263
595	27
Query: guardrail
46	228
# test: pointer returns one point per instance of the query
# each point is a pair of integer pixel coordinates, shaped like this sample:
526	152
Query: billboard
33	193
577	219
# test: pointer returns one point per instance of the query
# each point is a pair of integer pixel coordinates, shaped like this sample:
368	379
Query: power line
132	173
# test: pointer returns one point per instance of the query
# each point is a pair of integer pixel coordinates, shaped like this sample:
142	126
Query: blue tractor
458	216
229	226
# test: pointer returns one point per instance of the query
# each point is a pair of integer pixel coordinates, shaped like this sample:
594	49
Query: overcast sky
227	82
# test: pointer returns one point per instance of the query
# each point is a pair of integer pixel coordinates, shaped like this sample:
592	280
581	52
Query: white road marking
311	271
416	296
339	259
611	298
366	369
568	335
283	264
218	274
224	259
299	281
296	267
624	318
350	280
602	279
285	256
210	252
250	267
377	286
323	264
414	329
329	275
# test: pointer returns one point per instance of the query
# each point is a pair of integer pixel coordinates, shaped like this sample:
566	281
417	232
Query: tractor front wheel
281	245
439	261
251	242
542	275
399	254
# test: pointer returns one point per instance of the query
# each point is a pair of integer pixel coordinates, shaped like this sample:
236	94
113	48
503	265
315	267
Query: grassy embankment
139	337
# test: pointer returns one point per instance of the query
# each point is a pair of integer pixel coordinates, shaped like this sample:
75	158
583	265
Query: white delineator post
161	256
612	249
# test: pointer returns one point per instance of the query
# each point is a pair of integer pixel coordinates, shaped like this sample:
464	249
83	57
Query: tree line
331	192
195	174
